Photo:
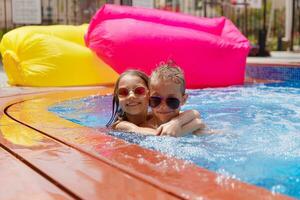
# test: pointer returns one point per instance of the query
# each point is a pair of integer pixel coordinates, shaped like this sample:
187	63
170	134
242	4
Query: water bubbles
259	143
224	179
276	189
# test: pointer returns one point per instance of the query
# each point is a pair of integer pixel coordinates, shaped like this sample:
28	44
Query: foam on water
259	141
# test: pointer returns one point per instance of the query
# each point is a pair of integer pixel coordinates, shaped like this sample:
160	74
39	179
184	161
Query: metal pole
222	7
204	8
246	18
67	16
49	14
57	11
265	17
75	11
5	16
298	8
11	11
293	25
263	33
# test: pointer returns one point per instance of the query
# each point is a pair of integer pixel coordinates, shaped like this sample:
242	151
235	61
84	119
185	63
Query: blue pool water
260	139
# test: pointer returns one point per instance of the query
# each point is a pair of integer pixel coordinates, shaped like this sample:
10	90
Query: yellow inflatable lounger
52	56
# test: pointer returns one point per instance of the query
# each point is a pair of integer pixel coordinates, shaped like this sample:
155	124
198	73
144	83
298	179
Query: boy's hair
169	70
117	113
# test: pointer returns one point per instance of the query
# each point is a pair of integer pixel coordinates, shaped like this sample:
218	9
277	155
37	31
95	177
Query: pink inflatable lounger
212	52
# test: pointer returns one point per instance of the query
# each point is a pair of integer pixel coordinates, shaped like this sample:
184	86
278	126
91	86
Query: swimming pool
260	140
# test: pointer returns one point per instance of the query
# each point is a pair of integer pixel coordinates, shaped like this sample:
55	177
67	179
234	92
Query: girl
130	103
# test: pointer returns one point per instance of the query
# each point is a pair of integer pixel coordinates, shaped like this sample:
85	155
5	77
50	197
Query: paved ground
277	57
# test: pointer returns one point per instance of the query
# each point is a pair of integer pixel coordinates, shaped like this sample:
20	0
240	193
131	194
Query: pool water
259	141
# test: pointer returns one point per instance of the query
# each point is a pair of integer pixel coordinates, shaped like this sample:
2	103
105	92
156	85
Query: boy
167	95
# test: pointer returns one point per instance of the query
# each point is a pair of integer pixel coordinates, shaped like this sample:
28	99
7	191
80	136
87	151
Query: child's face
133	95
168	92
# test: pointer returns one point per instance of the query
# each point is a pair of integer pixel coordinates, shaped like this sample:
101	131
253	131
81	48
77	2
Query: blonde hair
169	71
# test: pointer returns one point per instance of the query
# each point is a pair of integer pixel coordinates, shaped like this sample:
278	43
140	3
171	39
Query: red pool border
156	175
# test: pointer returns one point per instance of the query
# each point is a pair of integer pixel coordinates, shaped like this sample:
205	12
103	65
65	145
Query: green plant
1	34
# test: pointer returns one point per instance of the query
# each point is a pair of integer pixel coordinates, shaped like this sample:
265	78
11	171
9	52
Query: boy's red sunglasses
171	102
139	91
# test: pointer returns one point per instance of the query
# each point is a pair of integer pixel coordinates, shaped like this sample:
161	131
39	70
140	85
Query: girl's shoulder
113	125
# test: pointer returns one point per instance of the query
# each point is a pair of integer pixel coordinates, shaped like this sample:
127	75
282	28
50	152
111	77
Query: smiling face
136	102
166	89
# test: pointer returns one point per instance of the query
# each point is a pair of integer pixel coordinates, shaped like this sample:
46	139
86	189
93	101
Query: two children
164	92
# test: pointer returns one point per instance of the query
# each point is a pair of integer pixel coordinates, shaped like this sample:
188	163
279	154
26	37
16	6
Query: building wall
55	12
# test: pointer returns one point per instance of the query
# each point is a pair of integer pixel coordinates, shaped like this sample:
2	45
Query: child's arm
187	122
196	126
130	127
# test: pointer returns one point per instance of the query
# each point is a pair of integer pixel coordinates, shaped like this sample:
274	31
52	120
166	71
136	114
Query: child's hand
199	125
171	128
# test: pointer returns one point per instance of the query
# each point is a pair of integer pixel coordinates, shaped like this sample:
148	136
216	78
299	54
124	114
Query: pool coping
32	109
85	181
274	64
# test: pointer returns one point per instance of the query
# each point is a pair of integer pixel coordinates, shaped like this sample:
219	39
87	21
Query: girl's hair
118	113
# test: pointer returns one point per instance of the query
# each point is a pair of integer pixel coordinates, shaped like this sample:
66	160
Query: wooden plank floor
18	181
83	163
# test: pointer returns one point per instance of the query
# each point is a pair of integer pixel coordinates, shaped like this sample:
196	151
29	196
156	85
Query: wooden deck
43	156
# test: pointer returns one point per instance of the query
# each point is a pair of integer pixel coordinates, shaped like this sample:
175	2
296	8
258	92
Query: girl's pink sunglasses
138	91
